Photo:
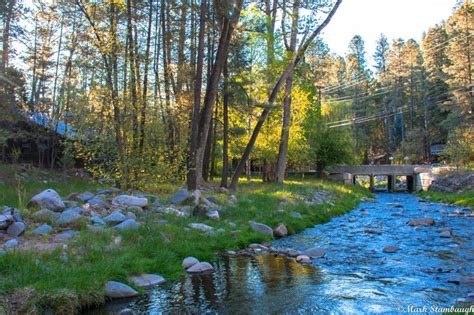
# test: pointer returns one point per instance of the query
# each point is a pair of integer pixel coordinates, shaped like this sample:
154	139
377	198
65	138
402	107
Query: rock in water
117	290
200	267
48	199
180	197
262	228
45	216
129	224
115	218
68	217
16	229
314	252
280	230
43	229
130	201
146	280
423	221
445	234
303	259
189	262
390	249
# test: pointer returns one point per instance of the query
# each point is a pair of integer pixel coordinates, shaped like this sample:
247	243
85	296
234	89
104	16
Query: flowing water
355	276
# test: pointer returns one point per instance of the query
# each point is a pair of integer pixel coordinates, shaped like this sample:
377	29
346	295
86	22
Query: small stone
445	234
296	215
130	201
84	197
293	252
146	280
115	218
368	231
213	215
303	259
200	267
390	249
95	228
314	252
16	229
180	197
48	199
11	243
201	226
352	219
423	221
189	262
68	217
115	290
64	236
97	220
129	224
262	228
45	216
98	203
5	221
280	230
232	200
43	229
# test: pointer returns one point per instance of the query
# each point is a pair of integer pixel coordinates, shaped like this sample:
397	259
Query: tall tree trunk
271	99
6	34
225	118
192	172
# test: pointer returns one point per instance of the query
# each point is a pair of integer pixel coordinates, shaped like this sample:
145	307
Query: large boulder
98	203
68	217
146	280
45	216
189	262
84	197
280	230
115	218
5	221
423	221
48	199
314	252
16	229
129	224
200	267
262	228
116	290
130	201
181	197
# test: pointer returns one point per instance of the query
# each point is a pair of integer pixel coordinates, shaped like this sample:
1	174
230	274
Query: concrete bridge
418	177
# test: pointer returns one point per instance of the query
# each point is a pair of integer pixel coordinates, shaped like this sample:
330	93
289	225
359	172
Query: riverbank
465	198
72	276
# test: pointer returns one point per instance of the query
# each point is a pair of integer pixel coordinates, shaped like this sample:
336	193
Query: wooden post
371	176
391	183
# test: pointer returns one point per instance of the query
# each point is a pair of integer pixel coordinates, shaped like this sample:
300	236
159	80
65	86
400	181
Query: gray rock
2	252
180	197
390	249
5	221
126	311
97	220
303	259
43	229
200	226
296	215
117	290
200	267
115	218
423	221
16	229
280	230
293	252
95	228
98	203
129	224
48	199
45	216
11	244
445	234
232	200
196	196
131	215
315	252
189	262
146	280
130	201
68	217
64	236
262	228
85	197
15	213
213	214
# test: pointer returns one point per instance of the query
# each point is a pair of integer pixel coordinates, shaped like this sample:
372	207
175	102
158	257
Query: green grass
465	199
159	248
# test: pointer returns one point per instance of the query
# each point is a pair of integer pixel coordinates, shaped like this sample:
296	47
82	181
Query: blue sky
395	18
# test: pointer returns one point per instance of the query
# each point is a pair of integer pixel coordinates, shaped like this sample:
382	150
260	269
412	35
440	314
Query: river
354	277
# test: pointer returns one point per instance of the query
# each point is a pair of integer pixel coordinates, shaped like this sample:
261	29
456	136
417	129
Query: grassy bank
48	280
465	199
